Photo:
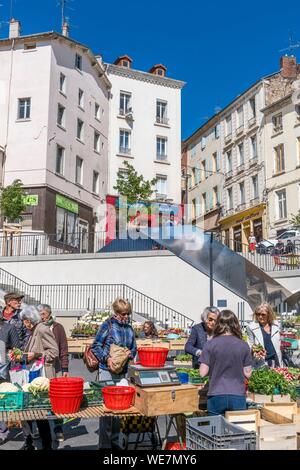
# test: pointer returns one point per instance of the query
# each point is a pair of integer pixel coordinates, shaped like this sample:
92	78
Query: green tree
295	220
11	201
133	186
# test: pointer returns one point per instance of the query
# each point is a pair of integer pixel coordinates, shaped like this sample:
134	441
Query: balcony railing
240	168
254	201
228	138
230	211
253	160
161	157
251	121
125	151
277	129
125	112
241	206
162	120
240	129
228	174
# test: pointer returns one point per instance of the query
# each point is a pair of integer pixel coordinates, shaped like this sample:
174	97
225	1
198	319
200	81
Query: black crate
216	433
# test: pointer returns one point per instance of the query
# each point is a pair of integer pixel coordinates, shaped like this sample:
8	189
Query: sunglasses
262	314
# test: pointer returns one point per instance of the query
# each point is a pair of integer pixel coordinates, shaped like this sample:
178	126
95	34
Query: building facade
145	127
54	130
205	179
282	149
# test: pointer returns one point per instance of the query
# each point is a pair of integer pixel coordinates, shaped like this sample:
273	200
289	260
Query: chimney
288	66
65	29
14	28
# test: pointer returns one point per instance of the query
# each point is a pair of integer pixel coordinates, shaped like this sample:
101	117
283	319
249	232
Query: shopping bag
36	369
19	375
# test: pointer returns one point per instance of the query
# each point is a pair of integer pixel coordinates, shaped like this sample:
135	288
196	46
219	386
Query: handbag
89	359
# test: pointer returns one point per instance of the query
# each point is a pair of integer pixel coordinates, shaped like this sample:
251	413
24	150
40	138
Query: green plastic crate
38	400
294	342
11	401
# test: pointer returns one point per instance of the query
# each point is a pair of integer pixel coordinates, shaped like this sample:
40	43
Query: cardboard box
277	436
170	399
257	398
282	413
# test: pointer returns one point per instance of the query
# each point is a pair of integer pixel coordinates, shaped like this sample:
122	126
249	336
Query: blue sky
218	48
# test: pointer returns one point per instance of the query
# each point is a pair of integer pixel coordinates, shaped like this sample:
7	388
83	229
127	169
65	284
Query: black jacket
196	341
15	320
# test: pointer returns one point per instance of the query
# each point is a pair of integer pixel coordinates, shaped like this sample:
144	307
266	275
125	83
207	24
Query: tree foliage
295	220
133	186
12	202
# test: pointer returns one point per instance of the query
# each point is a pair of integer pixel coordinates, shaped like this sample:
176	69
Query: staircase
76	297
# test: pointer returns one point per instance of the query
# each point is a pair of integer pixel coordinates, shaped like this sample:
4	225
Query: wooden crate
257	398
178	344
182	363
247	419
171	399
277	436
282	413
75	346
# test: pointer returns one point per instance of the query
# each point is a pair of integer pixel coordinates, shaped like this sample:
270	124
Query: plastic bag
19	375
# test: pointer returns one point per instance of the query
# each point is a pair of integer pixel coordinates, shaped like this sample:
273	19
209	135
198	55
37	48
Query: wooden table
291	259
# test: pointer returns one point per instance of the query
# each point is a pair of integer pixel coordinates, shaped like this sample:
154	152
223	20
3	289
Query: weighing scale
153	377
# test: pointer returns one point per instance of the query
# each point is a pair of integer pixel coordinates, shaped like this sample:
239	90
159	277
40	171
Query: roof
126	57
52	35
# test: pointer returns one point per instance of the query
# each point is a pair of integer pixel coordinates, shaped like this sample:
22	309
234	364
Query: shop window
66	227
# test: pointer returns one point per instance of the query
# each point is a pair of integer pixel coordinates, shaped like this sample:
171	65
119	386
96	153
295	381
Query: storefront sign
248	217
67	204
31	199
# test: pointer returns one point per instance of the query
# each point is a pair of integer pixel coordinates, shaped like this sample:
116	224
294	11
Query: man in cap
11	314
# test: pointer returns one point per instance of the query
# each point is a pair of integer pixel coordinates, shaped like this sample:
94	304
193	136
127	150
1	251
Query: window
24	108
97	111
216	162
255	186
193	177
161	185
95	188
62	83
252	107
216	196
242	193
229	162
60	157
80	98
197	206
277	122
125	63
78	172
240	114
229	198
204	174
124	143
241	154
298	151
66	227
80	130
281	204
61	115
228	126
78	61
30	46
203	143
217	131
161	112
204	202
197	174
161	148
125	103
96	141
160	72
253	147
279	165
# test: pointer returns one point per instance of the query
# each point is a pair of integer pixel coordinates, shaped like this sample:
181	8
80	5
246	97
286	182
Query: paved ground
79	434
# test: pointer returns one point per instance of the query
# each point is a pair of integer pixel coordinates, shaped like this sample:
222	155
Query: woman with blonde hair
264	331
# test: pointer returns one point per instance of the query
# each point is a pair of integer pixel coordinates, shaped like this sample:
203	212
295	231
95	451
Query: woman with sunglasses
264	331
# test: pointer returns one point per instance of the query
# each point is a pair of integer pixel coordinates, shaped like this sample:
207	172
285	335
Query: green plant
133	186
183	357
11	201
295	220
265	381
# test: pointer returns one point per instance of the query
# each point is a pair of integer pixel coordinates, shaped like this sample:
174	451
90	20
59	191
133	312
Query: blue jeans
218	404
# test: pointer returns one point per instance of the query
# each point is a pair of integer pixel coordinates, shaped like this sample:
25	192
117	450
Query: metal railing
51	244
93	297
125	151
162	120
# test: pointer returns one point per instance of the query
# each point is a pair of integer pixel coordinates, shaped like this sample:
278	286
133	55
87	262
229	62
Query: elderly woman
62	363
116	330
201	333
264	331
41	344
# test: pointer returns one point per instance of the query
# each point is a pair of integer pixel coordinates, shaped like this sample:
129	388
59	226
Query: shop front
237	228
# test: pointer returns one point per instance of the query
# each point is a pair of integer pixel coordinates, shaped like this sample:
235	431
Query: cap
13	295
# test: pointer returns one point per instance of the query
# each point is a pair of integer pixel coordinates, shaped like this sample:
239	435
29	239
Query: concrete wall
161	276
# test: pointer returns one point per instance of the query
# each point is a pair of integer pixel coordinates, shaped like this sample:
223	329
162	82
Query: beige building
205	180
282	154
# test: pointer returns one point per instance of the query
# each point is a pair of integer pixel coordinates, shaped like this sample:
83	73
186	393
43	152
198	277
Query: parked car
293	235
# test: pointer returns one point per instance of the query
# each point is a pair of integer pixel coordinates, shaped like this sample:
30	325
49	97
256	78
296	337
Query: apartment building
282	148
145	126
204	176
54	109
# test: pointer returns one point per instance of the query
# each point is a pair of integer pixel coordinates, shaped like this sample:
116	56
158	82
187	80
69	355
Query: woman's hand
30	356
65	374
